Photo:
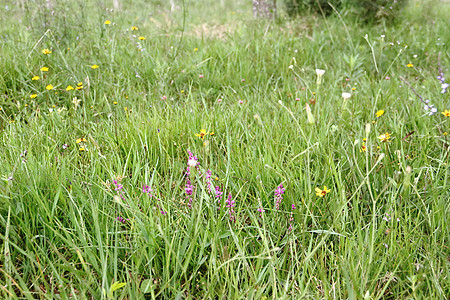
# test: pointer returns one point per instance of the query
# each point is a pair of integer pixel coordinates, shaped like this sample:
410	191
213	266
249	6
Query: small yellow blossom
115	102
94	67
314	93
134	28
44	69
195	49
49	87
79	83
32	96
353	89
141	38
81	149
446	113
363	148
202	134
410	65
35	78
182	91
364	139
384	137
125	108
80	87
46	51
445	133
69	88
80	140
12	121
323	192
212	133
379	113
107	22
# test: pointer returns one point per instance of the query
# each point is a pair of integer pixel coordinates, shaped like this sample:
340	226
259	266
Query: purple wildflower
119	189
208	181
122	220
279	196
230	205
261	210
219	194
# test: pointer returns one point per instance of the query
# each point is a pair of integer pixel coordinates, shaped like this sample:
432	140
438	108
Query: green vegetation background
382	231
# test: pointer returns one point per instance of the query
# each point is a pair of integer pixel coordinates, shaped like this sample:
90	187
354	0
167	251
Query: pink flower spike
297	99
219	100
387	78
164	98
240	101
242	80
200	76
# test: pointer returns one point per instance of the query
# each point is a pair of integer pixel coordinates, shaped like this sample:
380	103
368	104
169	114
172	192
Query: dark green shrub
370	11
367	11
303	7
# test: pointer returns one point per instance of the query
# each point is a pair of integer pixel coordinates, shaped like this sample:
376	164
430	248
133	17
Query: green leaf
115	286
146	286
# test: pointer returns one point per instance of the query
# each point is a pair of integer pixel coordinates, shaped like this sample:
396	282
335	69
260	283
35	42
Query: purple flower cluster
279	196
230	206
119	189
122	220
189	188
260	210
208	181
219	194
148	190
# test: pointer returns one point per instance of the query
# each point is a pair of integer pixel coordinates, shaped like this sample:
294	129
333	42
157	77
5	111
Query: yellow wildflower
134	28
69	88
44	69
49	87
446	113
323	192
94	67
379	113
384	137
107	22
363	148
32	96
35	78
141	38
410	65
202	133
46	51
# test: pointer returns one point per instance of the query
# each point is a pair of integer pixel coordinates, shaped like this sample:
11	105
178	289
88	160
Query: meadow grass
77	220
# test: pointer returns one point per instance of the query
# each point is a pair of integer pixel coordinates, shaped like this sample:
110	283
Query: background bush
367	11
